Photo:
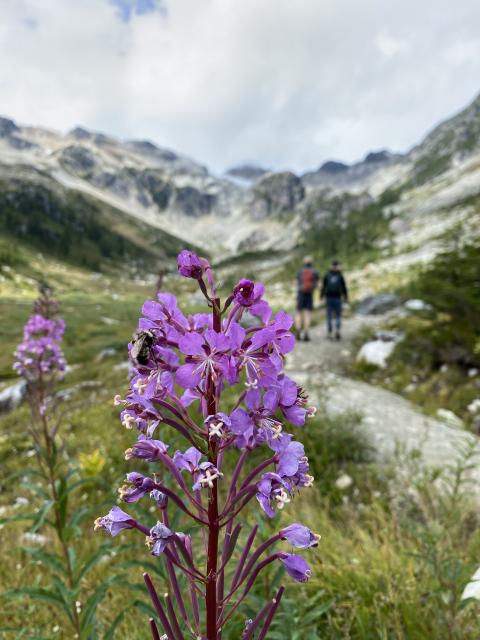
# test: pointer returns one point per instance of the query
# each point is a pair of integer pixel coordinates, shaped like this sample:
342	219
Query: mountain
62	193
246	172
343	176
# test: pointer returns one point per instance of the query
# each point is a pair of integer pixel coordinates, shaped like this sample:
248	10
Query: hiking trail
388	420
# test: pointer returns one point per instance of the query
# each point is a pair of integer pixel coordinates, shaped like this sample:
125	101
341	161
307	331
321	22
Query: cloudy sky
282	83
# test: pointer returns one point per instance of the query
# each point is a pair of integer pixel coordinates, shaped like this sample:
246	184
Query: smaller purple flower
296	566
205	476
218	425
190	265
272	490
146	449
187	461
160	498
244	292
138	485
290	454
159	537
299	536
115	521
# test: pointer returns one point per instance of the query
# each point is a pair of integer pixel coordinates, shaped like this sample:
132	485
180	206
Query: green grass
391	564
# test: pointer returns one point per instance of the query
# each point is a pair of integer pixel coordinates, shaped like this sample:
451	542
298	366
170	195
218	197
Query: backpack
308	280
334	284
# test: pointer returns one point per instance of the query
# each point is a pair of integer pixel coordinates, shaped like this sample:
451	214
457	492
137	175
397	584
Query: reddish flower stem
271	613
154	630
213	524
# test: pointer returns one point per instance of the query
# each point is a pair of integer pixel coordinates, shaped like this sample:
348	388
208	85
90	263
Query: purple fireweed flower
194	359
296	566
272	490
138	486
39	353
299	536
190	265
159	537
146	449
115	521
39	327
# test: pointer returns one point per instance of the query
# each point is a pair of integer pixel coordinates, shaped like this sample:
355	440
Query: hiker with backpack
333	290
307	282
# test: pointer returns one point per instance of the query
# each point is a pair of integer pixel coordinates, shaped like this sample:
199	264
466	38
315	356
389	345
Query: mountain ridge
249	208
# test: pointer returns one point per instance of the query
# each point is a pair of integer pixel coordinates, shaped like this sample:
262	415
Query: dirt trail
388	419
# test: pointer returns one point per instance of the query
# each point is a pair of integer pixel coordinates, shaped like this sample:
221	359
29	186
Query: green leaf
35	489
30	516
94	600
36	593
66	596
41	515
53	560
91	562
110	633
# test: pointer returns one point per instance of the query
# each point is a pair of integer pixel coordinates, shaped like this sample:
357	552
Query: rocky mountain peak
333	167
7	127
247	172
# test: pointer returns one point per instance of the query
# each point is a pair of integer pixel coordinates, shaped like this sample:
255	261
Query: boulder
378	304
450	418
376	352
416	304
12	396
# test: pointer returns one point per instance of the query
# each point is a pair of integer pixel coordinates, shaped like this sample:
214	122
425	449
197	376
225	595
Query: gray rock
276	193
7	127
193	202
79	133
248	172
21	143
12	396
78	160
416	304
377	304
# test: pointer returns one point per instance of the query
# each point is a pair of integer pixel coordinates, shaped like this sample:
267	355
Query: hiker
333	290
307	282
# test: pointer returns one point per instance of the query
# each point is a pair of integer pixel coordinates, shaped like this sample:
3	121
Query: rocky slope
419	196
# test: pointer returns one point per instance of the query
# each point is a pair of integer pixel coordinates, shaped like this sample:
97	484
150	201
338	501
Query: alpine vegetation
236	452
40	361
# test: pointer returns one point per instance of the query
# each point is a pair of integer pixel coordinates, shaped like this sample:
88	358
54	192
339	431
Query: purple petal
295	415
299	536
191	344
188	376
296	566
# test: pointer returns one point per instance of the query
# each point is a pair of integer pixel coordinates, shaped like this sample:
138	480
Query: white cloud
272	81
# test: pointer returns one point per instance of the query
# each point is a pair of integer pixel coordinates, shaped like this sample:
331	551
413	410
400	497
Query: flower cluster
186	364
39	353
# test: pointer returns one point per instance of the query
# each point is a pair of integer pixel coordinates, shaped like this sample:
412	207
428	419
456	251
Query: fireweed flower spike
189	363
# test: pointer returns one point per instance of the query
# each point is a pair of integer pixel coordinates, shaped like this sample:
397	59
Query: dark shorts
304	301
